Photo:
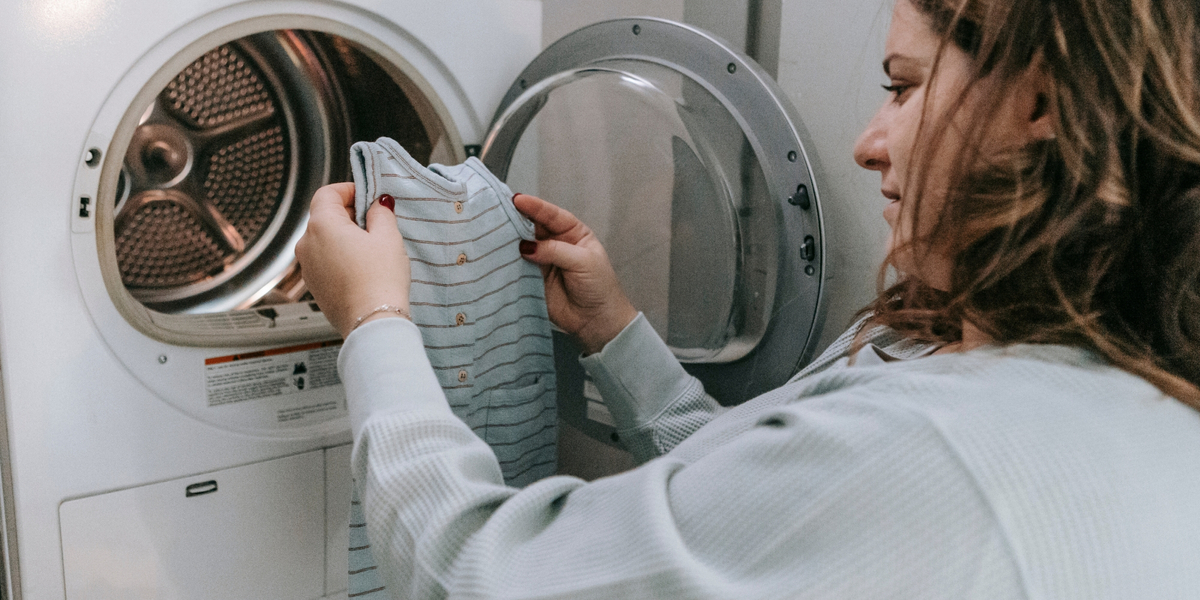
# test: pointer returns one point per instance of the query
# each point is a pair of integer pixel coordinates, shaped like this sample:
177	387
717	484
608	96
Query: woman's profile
1015	416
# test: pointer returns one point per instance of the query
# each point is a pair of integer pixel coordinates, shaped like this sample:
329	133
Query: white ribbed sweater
1019	472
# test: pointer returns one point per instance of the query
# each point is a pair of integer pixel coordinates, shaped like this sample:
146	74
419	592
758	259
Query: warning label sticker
273	373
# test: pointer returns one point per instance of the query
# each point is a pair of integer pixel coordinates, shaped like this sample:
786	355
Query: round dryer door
686	160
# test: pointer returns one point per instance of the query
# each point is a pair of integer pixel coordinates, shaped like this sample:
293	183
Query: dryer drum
216	179
211	170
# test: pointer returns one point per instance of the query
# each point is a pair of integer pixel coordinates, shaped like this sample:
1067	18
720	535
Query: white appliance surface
145	543
87	422
82	417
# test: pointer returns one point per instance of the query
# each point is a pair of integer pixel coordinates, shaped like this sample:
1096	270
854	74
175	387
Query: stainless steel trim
774	131
10	577
194	325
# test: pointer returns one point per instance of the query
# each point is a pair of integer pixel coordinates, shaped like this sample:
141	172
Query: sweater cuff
637	375
384	369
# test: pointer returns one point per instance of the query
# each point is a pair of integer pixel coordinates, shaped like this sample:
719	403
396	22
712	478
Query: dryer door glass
663	173
688	162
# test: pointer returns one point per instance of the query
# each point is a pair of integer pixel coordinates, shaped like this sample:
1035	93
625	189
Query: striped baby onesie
480	307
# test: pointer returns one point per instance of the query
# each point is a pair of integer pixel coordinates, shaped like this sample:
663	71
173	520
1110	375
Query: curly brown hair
1090	239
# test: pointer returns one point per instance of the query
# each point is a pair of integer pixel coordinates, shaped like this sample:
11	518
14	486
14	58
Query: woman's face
888	143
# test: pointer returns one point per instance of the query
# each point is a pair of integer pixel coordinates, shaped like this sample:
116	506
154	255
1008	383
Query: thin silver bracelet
378	309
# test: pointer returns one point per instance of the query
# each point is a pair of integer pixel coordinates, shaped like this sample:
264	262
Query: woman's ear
1037	104
1029	113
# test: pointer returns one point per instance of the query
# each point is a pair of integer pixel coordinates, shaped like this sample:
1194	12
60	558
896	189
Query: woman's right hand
582	292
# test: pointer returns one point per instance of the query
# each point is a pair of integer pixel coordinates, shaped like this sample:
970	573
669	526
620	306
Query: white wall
560	17
829	65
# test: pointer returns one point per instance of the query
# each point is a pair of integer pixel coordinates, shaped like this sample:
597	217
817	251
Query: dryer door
685	158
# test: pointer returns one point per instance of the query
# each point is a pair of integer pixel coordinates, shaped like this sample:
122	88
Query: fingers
561	254
301	249
554	221
334	199
381	218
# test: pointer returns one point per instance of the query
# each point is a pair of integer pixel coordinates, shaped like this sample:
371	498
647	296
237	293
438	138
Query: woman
1014	418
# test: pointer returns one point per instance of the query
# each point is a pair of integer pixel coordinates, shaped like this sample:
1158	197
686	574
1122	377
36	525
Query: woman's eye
898	91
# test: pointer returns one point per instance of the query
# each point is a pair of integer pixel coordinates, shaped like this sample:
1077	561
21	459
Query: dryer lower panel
255	531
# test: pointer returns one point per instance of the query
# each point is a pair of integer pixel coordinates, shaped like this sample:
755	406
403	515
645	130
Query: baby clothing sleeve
480	309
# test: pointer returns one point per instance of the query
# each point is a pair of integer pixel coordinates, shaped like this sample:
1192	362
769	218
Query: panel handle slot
199	489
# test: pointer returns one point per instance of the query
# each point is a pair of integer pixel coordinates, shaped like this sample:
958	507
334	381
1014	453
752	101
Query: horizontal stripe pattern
446	221
503	245
524	279
364	578
479	305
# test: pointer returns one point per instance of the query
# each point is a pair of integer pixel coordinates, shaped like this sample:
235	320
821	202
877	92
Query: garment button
462	375
460	319
462	259
458	207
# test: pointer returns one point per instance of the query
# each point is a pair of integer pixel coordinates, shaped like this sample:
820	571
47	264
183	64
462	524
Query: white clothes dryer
173	422
171	399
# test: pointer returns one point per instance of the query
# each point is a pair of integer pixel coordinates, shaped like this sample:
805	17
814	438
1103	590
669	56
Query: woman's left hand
350	271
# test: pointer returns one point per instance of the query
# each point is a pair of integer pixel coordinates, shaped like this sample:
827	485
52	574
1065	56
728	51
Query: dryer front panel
193	190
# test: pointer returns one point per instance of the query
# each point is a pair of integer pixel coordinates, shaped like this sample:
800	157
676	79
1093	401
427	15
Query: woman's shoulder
1030	419
1024	371
980	401
1062	447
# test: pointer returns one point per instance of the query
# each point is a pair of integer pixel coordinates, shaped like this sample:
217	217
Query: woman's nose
870	151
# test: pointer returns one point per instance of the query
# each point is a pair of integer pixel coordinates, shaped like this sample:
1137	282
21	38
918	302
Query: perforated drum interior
215	183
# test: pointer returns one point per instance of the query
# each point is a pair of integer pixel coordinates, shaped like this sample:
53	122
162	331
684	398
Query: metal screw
732	68
637	30
810	270
92	158
792	156
162	359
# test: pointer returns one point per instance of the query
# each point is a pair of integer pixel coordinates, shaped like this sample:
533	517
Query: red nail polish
528	247
388	202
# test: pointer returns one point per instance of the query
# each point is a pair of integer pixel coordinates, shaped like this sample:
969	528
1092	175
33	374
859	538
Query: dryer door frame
779	141
169	353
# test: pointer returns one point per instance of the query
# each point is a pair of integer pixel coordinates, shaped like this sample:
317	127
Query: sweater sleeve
654	402
395	342
842	496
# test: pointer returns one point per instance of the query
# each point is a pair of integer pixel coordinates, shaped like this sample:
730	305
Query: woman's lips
891	212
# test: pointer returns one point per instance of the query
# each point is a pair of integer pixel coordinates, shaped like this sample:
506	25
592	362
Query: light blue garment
480	308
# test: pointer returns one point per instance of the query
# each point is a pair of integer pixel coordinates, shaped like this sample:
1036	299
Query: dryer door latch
84	201
800	198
